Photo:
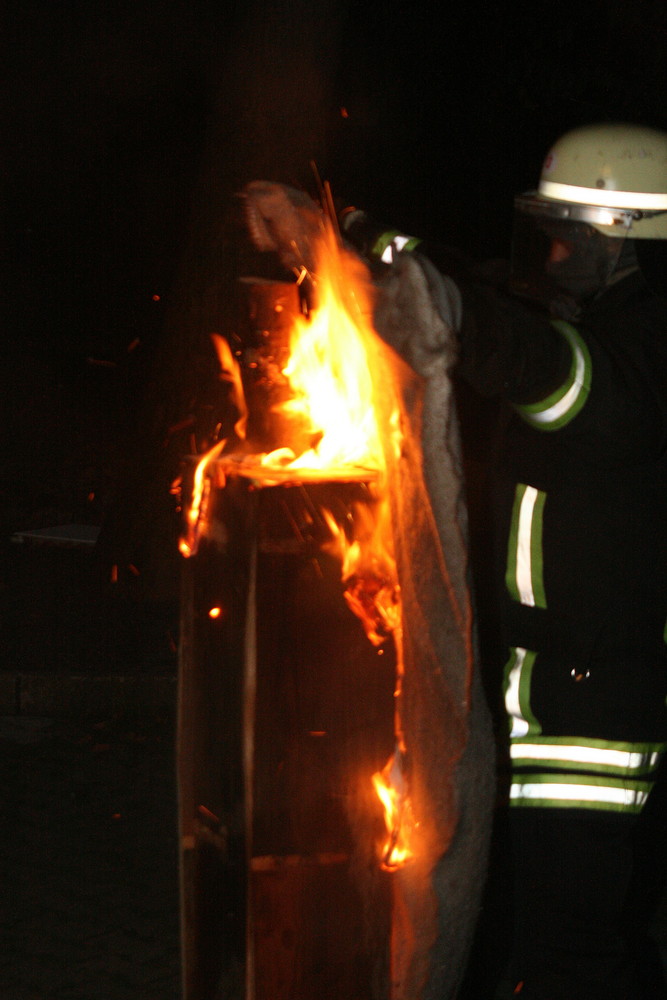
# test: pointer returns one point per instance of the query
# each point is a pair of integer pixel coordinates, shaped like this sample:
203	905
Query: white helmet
613	177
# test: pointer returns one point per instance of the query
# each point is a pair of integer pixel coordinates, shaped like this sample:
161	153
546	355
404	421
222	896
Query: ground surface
89	861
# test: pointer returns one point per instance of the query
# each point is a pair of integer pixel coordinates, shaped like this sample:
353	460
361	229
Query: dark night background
128	127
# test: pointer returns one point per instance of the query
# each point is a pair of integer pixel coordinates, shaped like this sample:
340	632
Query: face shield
559	253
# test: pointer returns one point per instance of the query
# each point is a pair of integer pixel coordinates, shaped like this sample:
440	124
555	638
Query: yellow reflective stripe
580	792
518	672
524	575
382	242
594	756
393	242
524	562
562	405
405	244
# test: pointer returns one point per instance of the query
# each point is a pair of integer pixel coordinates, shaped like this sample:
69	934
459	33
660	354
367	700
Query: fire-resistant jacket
581	508
581	527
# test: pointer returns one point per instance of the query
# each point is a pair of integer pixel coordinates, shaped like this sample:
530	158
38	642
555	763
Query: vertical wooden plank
249	700
323	725
285	688
185	784
210	764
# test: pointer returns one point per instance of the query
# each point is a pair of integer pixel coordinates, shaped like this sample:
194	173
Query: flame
333	431
231	372
201	487
368	568
195	518
331	407
392	789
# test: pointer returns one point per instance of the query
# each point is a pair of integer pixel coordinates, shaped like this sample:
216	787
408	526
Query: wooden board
282	896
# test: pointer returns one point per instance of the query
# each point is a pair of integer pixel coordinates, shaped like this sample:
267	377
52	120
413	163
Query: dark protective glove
285	221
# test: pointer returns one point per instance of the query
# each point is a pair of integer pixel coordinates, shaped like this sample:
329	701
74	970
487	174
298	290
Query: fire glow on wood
332	434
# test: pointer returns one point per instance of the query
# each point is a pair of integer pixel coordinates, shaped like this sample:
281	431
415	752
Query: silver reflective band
401	241
520	724
566	402
398	244
604	197
518	672
618	759
559	792
524	577
524	563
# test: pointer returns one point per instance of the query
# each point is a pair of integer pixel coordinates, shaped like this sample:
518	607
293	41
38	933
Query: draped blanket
445	721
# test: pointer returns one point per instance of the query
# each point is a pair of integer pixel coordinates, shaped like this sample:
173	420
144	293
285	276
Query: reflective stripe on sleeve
518	671
604	757
579	791
391	243
524	575
562	405
583	773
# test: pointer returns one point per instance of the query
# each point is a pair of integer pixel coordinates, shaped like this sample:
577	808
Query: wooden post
286	711
249	703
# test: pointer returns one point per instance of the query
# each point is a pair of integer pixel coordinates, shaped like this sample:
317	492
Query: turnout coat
580	505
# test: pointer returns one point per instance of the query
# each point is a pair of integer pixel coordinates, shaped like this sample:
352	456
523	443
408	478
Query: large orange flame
333	429
328	371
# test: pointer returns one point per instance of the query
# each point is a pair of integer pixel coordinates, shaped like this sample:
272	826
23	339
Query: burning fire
369	569
196	515
331	407
334	433
392	789
373	594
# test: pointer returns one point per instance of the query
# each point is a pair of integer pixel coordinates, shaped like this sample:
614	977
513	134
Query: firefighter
576	346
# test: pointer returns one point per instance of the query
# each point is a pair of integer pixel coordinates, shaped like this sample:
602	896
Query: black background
129	126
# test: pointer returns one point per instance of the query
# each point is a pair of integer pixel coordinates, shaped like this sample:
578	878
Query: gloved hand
284	220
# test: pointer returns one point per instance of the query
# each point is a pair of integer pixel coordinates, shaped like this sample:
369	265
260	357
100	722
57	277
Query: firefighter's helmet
613	177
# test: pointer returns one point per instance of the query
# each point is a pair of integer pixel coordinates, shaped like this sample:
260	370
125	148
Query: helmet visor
555	255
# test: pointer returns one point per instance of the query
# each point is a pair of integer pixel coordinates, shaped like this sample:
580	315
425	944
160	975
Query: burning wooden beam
263	531
298	860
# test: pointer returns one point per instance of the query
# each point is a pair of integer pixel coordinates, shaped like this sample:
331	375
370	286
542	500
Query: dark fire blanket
444	717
